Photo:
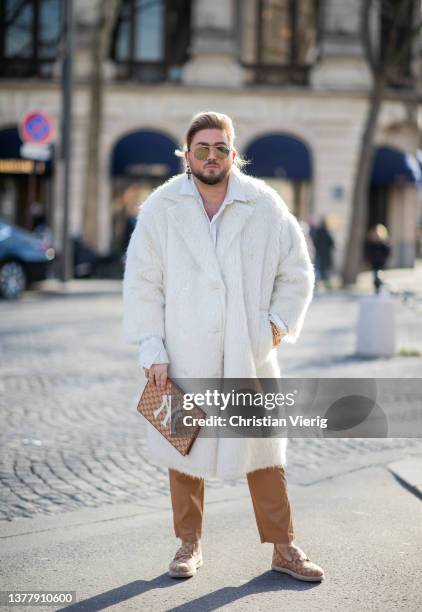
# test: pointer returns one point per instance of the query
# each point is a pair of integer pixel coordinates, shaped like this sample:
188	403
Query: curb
77	288
408	472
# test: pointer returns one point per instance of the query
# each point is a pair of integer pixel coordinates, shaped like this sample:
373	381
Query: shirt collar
235	191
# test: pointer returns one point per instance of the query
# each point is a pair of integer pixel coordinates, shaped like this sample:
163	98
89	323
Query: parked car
87	263
24	259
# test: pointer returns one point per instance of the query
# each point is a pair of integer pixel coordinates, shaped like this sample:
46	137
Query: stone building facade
293	77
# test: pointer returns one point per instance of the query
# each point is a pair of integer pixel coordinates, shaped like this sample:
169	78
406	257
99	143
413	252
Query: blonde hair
211	120
381	231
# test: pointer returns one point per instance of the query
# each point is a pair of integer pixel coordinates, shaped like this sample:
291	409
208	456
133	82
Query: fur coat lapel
191	223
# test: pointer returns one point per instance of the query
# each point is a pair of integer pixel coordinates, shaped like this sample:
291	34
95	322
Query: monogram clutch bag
165	411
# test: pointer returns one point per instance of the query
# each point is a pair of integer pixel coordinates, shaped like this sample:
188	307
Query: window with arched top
279	39
151	39
30	32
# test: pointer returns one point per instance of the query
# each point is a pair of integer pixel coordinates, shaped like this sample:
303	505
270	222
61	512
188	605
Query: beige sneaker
186	560
299	566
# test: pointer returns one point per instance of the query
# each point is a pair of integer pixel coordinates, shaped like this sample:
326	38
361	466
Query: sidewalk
361	525
363	528
77	287
403	283
399	280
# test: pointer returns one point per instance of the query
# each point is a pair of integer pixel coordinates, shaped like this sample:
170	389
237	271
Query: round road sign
37	127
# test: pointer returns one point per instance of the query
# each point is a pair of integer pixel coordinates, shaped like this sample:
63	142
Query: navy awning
10	146
145	153
392	165
279	156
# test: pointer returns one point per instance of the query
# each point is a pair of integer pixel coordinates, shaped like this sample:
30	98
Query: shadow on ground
266	582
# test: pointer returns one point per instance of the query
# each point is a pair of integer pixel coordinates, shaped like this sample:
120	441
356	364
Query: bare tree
386	54
107	14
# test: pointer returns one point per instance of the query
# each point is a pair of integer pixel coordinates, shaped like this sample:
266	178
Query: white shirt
152	349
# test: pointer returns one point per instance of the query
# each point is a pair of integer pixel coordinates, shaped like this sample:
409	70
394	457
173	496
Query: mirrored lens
222	152
203	153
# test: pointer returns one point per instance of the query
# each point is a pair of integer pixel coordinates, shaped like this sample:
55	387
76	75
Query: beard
211	179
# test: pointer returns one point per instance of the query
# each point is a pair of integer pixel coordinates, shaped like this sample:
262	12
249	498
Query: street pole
66	142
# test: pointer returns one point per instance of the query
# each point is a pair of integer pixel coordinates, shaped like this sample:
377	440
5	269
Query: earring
188	172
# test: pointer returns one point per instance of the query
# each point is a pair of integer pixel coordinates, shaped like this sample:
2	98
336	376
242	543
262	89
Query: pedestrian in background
377	251
217	275
323	245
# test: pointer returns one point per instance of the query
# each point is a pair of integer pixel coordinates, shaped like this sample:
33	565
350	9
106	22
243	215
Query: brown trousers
268	490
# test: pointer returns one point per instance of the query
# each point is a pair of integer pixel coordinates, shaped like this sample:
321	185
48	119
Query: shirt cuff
279	322
152	351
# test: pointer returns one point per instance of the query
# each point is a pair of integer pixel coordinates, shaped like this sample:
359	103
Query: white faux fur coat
210	305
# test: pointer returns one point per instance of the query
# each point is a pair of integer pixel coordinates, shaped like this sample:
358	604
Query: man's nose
211	154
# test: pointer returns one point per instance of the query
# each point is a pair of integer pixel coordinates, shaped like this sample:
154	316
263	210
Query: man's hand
278	334
157	375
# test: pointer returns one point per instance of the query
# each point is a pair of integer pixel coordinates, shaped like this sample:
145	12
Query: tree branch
366	10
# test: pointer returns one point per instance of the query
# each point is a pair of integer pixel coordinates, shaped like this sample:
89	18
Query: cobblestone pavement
70	434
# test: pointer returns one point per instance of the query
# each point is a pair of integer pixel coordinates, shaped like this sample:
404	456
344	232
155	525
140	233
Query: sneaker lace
295	553
185	551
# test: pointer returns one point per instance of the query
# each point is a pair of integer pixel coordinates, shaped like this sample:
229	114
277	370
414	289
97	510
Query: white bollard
376	329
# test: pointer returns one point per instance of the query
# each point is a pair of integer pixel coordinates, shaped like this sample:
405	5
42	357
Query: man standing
217	274
324	245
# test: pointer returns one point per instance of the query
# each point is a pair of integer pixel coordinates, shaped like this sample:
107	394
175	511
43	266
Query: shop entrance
25	185
285	163
393	201
141	161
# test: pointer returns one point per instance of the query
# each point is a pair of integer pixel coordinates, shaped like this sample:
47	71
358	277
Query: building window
151	39
278	39
397	22
29	37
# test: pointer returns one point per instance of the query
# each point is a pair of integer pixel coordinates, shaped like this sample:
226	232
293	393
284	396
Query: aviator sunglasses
203	152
